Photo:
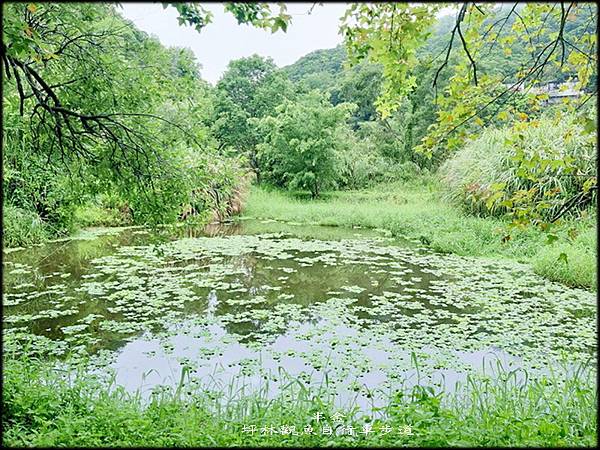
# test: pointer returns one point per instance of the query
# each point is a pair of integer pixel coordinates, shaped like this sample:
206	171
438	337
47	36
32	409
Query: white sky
224	40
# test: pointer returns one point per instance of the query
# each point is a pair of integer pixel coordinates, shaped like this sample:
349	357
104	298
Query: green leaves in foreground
259	15
42	409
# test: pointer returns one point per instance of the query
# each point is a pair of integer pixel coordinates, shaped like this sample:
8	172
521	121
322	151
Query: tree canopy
299	150
106	107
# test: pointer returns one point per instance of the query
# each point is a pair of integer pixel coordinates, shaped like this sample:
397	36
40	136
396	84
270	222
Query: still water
252	306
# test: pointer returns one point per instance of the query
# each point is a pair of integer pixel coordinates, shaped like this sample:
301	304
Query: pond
247	307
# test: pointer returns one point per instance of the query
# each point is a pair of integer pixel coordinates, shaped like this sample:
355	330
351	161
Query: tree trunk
257	172
254	165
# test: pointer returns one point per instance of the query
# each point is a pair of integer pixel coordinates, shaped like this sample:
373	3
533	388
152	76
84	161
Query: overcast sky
224	40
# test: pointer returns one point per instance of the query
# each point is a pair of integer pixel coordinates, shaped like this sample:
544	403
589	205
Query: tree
559	37
299	151
83	76
389	34
93	105
360	85
60	60
256	14
250	88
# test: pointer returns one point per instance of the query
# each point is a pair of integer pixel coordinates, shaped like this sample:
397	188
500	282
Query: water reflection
254	304
225	366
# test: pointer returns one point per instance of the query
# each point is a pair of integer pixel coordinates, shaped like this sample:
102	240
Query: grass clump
92	215
21	227
572	262
41	407
491	158
418	211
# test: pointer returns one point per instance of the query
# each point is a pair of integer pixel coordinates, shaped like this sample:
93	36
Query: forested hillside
318	69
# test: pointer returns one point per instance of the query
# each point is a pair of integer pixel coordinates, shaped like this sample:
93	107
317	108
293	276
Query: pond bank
42	409
418	212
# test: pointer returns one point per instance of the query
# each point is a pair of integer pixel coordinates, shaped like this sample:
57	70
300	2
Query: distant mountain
318	69
322	69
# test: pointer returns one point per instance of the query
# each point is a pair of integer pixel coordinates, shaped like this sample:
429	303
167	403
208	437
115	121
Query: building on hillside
556	92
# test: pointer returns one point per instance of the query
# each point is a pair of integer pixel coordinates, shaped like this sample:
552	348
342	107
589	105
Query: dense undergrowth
494	166
43	408
419	211
22	227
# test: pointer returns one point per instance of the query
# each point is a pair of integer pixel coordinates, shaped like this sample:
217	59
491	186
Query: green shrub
470	175
107	210
92	215
572	263
21	227
361	165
